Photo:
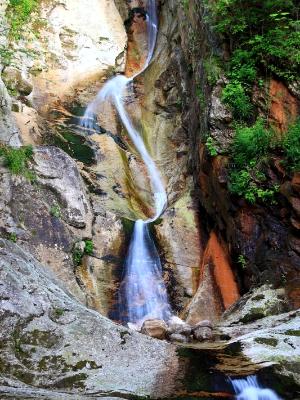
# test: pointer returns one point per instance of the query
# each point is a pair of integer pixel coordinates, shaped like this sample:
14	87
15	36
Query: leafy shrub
13	237
18	14
245	184
210	145
251	143
55	211
89	247
16	160
291	147
235	97
78	253
249	153
242	261
263	38
268	30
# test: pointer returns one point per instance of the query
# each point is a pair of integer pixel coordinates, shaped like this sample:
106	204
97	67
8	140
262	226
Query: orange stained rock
137	45
284	106
247	222
216	254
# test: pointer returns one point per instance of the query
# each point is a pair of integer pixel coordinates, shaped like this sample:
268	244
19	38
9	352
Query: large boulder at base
155	328
203	331
177	326
49	341
261	302
266	335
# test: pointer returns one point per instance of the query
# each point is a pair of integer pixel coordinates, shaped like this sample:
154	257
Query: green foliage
55	211
242	261
18	14
185	5
89	247
235	97
210	145
244	183
16	160
201	97
251	144
59	312
267	30
5	55
77	256
13	237
249	155
291	147
78	253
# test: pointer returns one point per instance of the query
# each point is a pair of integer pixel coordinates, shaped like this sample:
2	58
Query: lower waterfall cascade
249	389
142	292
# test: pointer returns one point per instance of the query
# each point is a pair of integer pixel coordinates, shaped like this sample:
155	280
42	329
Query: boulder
177	337
202	333
261	302
177	326
155	328
14	81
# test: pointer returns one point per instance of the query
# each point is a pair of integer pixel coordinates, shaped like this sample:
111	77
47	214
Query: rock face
267	335
54	347
218	288
51	341
261	241
9	132
65	182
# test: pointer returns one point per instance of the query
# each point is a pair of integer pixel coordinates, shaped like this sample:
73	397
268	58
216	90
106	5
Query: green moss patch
268	341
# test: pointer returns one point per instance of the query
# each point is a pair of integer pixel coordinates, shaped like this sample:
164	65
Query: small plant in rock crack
89	247
211	147
13	237
82	248
242	261
58	312
55	211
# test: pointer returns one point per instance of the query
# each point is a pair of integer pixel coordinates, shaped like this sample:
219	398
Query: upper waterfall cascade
143	293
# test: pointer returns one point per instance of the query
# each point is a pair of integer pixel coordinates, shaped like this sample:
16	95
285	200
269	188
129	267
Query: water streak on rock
143	293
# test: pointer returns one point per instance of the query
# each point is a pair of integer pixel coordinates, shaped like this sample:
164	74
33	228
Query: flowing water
249	389
142	292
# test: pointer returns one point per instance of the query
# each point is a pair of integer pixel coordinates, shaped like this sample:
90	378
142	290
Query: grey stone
177	326
58	171
205	323
9	133
261	302
220	118
202	333
86	352
13	79
177	337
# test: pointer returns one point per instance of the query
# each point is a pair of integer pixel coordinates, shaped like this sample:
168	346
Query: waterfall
142	291
249	389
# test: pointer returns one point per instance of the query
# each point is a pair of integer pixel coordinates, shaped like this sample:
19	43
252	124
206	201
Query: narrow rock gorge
215	107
